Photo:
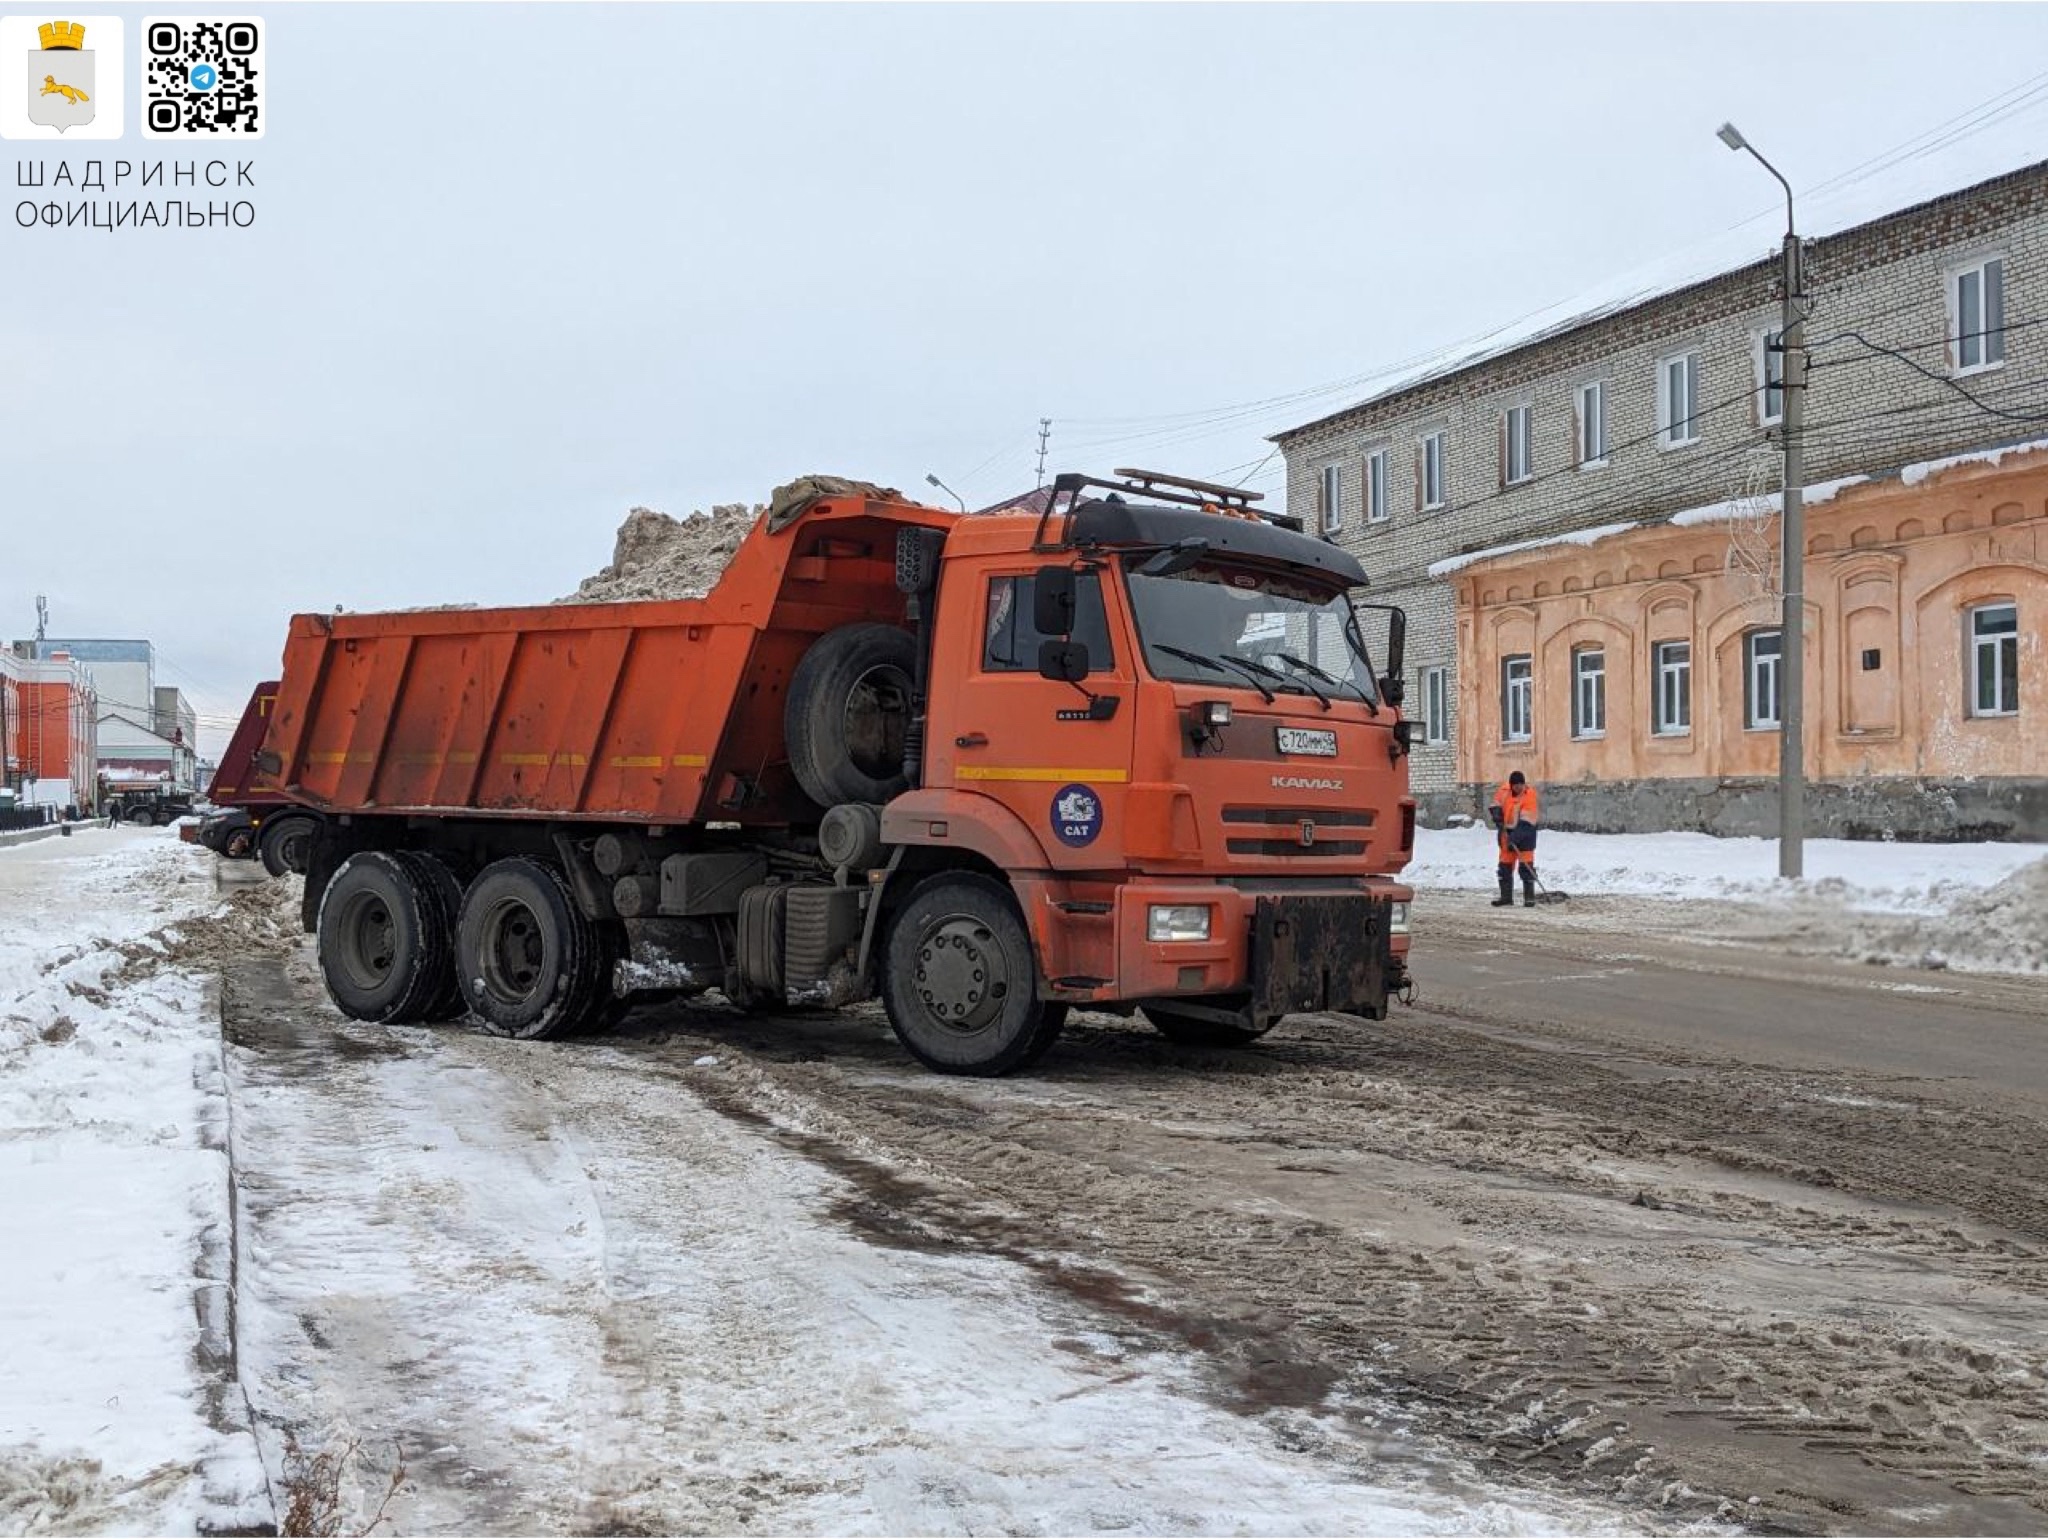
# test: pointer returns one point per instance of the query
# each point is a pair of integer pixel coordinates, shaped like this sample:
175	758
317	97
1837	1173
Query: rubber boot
1528	887
1507	888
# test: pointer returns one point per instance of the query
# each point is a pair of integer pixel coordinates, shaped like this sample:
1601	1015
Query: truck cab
1159	721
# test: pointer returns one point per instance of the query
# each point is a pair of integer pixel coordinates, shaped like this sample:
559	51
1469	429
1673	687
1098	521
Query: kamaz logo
1306	783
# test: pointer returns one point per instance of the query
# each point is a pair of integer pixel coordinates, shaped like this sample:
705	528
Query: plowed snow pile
2001	929
659	557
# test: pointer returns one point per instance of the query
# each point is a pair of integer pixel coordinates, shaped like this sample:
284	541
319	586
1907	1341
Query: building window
1375	487
1977	312
1330	498
1592	409
1589	692
1678	400
1995	660
1761	654
1430	465
1770	378
1436	705
1516	687
1517	444
1671	706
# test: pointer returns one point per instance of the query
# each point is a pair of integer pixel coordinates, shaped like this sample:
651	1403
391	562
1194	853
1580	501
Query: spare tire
848	713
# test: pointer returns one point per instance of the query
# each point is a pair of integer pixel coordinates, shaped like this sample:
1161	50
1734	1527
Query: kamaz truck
1124	751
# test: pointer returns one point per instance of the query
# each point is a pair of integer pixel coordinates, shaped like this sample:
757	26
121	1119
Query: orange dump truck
1124	753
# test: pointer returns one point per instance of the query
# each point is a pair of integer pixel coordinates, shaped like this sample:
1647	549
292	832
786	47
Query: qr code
202	78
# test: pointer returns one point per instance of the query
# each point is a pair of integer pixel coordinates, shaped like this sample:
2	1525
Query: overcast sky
517	269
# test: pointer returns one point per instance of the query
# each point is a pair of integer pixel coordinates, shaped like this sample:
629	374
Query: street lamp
935	481
1792	625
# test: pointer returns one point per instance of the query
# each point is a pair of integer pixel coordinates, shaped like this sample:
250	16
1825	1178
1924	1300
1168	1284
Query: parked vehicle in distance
257	820
1128	753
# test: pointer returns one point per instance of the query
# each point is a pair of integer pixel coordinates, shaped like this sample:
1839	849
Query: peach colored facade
1897	576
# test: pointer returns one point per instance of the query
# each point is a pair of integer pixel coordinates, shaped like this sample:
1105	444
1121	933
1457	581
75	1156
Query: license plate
1308	740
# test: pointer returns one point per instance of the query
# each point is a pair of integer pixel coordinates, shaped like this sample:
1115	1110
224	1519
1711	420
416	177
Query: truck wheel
284	844
384	944
240	844
847	713
142	817
960	983
530	964
1192	1031
439	884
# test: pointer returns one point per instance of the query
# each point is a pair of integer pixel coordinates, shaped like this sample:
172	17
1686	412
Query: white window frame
1378	507
1755	669
1436	705
1589	407
1517	698
1669	425
1770	376
2000	646
1518	444
1330	496
1589	692
1989	271
1436	469
1671	689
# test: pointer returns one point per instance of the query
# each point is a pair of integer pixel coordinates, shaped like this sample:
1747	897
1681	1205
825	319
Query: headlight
1177	922
1397	918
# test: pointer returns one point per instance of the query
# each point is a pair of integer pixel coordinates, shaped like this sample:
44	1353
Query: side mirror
1397	649
1064	661
1392	689
1052	605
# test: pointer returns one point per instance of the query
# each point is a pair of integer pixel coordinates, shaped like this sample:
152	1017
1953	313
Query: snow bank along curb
119	1405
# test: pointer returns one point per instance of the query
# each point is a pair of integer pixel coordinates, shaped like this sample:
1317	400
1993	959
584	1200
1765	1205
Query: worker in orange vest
1514	819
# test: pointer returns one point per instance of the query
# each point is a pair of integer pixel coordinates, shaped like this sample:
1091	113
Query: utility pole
1792	539
1044	437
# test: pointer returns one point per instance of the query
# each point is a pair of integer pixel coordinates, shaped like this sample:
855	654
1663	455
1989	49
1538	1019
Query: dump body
238	782
657	712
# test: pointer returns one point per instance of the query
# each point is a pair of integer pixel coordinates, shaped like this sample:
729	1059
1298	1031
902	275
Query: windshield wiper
1311	671
1216	664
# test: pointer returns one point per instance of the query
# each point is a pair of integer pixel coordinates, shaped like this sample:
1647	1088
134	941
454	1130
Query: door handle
971	740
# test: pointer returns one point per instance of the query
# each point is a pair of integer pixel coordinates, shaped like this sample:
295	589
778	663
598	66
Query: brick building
1658	404
49	744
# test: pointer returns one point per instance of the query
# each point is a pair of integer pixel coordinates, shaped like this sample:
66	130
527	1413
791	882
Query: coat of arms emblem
61	86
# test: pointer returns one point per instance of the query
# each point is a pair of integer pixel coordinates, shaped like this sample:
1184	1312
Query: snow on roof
2010	146
1452	564
1733	509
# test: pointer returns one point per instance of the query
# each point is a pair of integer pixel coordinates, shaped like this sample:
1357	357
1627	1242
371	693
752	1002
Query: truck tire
847	712
284	844
959	980
1192	1031
530	964
141	817
240	844
440	885
383	938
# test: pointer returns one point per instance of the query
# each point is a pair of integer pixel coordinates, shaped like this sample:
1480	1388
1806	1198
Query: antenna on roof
1044	436
42	617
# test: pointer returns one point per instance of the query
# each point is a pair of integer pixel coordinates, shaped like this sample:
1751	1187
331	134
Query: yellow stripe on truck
1005	772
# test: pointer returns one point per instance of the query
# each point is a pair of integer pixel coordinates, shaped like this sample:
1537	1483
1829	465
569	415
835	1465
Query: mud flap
1331	953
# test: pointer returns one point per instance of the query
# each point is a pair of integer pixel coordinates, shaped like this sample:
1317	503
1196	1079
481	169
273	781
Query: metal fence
12	818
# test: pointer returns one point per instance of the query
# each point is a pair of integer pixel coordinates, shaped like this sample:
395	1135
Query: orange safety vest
1515	807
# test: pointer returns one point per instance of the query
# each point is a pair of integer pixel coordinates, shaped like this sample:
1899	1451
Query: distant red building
49	738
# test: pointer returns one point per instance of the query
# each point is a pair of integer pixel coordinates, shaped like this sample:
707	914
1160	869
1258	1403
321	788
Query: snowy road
579	1298
1650	1215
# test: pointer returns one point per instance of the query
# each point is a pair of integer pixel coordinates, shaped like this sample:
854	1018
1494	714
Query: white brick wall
1887	280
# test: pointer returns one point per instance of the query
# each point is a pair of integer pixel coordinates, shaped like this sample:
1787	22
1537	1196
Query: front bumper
1326	947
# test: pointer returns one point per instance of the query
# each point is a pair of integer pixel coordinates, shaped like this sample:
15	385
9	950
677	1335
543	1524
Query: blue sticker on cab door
1076	815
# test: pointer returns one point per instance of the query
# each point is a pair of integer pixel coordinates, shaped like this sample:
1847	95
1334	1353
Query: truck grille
1291	832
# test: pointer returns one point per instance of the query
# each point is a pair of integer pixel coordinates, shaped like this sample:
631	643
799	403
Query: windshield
1257	630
